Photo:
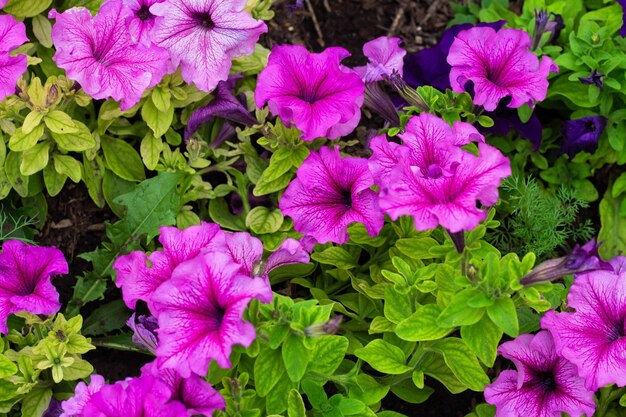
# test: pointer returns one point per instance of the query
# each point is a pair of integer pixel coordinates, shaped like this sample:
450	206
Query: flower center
204	20
346	198
144	13
590	126
546	381
617	332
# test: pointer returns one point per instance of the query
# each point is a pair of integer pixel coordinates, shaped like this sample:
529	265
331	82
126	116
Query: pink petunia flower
193	392
25	273
544	385
141	22
330	193
138	280
431	178
203	35
12	35
200	313
3	3
99	53
82	394
314	92
592	337
500	65
385	56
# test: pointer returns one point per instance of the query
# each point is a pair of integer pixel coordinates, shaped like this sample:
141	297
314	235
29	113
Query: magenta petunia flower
431	178
314	92
500	65
592	337
200	313
385	57
82	394
544	385
3	3
141	22
203	35
193	392
99	53
25	273
138	280
330	193
12	35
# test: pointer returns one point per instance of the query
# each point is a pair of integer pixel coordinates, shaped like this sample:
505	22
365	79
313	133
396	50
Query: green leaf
422	325
21	140
93	173
384	357
36	401
295	404
295	357
106	318
79	141
483	338
150	150
417	248
268	369
158	121
68	166
613	230
458	312
60	122
53	180
336	256
220	214
42	30
407	391
397	306
327	354
35	159
26	8
89	288
18	181
502	312
261	220
368	390
80	369
113	187
161	97
7	367
32	120
462	363
265	186
123	159
276	400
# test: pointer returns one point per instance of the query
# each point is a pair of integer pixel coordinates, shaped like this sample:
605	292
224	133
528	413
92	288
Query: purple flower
506	119
141	22
385	56
200	313
82	394
203	35
138	281
314	92
54	409
582	134
193	392
623	29
582	259
12	35
499	64
592	337
544	385
330	193
144	331
594	78
25	273
432	179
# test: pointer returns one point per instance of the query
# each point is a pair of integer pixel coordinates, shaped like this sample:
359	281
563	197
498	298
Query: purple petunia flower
99	53
384	57
544	385
200	313
25	273
330	193
138	281
592	337
193	392
12	35
144	331
203	35
432	179
582	259
82	394
623	29
141	22
594	78
499	64
582	134
54	409
314	92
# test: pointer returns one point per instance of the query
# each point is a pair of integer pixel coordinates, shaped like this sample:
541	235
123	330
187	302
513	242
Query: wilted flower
82	394
98	52
500	65
594	78
582	134
314	92
25	273
203	36
592	337
582	259
200	313
12	35
544	385
141	22
544	24
330	193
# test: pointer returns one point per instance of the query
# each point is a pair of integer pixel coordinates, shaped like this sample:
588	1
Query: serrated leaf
123	159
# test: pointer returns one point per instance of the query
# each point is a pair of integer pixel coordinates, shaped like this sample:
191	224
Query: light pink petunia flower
12	35
203	35
329	194
314	92
98	52
593	337
544	385
499	64
200	313
25	273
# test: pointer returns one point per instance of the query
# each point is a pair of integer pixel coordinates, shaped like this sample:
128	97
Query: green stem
607	397
120	346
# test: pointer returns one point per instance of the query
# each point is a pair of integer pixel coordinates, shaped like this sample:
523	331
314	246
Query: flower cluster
12	35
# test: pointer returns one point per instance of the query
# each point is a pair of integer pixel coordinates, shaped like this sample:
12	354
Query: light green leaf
483	338
384	357
150	150
158	121
66	165
53	180
32	120
458	312
268	369
36	401
21	141
502	312
327	354
417	248
7	367
295	404
397	306
93	173
462	363
422	325
79	141
26	8
261	220
295	357
18	181
161	98
79	369
613	230
42	30
60	122
35	159
336	256
123	159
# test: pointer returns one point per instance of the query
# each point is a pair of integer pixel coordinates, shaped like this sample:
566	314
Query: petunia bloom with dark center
582	134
